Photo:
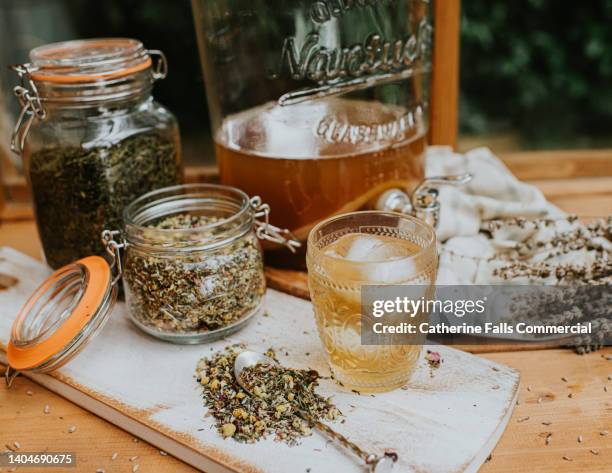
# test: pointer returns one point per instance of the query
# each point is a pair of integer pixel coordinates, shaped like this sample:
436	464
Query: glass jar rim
430	243
88	60
180	199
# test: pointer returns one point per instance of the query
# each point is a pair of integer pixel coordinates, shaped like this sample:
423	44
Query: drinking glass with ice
351	250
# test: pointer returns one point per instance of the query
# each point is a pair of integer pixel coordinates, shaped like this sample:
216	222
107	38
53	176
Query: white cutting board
446	423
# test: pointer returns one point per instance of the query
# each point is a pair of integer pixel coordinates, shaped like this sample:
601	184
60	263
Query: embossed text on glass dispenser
320	106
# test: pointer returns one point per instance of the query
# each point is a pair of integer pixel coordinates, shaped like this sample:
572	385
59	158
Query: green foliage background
540	67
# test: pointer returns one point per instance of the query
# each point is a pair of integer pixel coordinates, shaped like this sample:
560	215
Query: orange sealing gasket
24	358
67	79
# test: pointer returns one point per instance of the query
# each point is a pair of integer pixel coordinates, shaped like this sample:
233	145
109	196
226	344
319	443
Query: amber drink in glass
366	248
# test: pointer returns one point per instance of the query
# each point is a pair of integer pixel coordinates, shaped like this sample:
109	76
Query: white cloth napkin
468	256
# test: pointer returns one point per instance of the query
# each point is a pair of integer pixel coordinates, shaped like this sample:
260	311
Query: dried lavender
598	272
542	258
195	291
277	394
595	237
568	305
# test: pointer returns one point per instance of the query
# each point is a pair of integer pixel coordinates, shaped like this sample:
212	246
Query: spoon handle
369	458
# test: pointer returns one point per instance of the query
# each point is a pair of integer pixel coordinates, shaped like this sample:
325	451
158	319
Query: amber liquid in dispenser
320	158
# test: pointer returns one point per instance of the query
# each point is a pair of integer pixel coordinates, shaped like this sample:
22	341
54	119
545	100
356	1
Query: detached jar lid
61	316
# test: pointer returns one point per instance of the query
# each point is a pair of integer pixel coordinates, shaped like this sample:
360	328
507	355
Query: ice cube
366	248
386	257
395	271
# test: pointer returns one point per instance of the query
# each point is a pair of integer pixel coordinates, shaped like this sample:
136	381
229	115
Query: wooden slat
586	197
585	206
194	174
560	164
16	186
575	187
445	77
16	212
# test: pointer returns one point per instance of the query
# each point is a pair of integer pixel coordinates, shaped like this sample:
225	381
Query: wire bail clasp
266	231
31	107
113	248
159	65
9	375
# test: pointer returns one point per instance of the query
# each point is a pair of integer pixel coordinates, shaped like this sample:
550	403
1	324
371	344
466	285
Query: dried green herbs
278	393
78	191
193	291
182	221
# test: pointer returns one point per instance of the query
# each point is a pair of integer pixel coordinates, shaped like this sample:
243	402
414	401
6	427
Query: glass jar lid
82	73
88	60
61	316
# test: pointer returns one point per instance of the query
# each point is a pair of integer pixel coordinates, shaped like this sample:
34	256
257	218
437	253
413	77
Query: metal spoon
375	463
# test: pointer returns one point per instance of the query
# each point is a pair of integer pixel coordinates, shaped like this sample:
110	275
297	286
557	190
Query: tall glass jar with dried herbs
92	138
193	266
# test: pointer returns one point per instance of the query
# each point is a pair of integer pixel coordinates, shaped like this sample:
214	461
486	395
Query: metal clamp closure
160	63
266	231
31	106
9	375
113	248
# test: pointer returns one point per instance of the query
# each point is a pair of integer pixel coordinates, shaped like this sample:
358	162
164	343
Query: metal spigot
423	203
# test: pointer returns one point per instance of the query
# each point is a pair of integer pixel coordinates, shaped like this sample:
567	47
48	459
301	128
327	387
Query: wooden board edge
559	164
127	423
486	450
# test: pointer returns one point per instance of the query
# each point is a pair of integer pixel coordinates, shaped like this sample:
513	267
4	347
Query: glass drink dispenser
319	107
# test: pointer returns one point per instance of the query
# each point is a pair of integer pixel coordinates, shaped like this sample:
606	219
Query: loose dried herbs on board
194	291
79	191
277	394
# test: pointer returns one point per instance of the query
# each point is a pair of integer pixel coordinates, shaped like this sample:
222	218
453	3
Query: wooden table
544	396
